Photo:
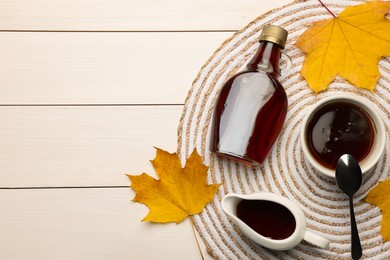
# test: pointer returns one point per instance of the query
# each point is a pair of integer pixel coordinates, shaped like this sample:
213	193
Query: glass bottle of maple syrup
252	105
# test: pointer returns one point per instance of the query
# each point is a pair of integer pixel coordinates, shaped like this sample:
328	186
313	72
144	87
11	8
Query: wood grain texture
133	15
85	88
82	146
86	224
101	68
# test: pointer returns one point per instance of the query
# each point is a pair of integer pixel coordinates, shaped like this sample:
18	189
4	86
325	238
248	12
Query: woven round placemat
285	171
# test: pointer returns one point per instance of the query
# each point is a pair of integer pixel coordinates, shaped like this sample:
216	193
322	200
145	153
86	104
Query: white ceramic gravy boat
229	204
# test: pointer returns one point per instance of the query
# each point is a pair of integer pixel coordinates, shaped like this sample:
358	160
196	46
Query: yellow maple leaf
180	192
349	45
380	196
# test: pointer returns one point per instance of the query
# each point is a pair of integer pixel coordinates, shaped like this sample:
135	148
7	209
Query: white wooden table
87	88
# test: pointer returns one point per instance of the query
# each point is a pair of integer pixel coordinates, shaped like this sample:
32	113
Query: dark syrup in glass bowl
338	128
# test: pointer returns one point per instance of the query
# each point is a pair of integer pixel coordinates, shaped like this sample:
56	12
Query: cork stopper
275	34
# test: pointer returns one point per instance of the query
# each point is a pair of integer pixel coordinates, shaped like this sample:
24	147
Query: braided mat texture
286	171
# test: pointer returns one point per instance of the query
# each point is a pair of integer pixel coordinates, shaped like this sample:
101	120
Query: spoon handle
356	247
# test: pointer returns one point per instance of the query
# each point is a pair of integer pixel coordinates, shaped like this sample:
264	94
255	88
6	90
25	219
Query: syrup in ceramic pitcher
269	219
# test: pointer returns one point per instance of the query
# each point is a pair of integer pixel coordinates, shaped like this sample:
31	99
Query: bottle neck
266	58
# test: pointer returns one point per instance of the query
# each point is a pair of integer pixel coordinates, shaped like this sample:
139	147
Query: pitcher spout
229	204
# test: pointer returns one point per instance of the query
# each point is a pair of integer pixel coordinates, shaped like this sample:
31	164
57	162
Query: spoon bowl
348	175
349	180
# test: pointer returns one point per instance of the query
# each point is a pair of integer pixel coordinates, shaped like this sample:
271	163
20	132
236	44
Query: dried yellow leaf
349	45
380	196
180	192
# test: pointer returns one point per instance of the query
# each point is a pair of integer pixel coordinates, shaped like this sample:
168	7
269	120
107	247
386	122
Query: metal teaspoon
349	180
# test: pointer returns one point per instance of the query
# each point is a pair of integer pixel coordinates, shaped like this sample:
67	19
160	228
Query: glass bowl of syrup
342	124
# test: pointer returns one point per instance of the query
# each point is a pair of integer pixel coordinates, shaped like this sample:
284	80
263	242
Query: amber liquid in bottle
251	109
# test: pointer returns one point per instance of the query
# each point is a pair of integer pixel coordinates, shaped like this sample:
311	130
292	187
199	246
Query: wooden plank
82	146
86	224
134	15
102	68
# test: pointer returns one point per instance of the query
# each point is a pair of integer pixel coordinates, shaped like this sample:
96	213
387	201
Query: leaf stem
329	11
196	238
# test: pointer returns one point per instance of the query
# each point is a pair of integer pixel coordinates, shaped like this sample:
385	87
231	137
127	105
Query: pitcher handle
316	239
